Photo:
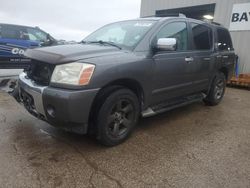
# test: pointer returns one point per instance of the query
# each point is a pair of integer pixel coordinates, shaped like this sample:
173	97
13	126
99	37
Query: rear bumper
66	109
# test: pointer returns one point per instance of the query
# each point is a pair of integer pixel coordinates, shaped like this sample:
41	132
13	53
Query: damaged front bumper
66	109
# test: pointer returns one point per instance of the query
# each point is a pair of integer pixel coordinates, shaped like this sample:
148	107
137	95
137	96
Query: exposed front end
63	108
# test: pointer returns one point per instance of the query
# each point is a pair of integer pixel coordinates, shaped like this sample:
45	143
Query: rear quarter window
202	37
224	40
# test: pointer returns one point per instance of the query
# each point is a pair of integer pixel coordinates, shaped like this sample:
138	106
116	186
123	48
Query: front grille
40	72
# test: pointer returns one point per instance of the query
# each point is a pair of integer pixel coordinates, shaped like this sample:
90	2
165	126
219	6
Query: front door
173	70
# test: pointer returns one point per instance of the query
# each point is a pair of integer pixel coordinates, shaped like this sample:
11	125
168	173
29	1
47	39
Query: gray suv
125	70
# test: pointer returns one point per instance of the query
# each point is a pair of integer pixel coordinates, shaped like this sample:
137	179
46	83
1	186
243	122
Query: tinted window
202	37
176	30
14	32
224	40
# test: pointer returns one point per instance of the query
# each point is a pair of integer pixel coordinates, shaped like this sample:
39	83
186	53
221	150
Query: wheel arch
224	70
112	86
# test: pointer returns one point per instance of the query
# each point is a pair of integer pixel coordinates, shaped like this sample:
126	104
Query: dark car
15	39
126	70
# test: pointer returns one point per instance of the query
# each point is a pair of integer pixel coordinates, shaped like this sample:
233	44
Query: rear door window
224	40
202	37
13	32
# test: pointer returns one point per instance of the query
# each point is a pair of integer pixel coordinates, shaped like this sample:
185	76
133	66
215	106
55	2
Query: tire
117	117
217	90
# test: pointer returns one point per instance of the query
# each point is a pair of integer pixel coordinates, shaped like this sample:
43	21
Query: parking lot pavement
194	146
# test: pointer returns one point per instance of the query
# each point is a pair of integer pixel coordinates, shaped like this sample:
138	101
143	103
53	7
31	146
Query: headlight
73	74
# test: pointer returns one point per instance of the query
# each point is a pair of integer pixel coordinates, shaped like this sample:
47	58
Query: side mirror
166	44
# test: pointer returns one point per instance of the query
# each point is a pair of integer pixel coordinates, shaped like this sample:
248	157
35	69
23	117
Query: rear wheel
117	117
217	90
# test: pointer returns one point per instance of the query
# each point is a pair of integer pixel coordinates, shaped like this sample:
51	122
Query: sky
68	19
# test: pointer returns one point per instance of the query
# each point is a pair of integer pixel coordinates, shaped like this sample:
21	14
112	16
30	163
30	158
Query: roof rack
167	15
172	15
216	23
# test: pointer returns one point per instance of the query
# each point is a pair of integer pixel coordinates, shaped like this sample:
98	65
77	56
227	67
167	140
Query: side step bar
170	106
148	112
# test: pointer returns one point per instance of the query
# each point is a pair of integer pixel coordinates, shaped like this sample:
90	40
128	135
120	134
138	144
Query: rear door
202	46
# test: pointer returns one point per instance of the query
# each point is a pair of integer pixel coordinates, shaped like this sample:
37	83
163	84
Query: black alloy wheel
217	90
120	118
117	117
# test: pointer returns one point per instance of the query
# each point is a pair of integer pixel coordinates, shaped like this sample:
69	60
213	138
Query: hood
72	52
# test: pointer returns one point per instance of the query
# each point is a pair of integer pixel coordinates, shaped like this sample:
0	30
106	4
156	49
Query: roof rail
216	23
167	15
211	22
172	15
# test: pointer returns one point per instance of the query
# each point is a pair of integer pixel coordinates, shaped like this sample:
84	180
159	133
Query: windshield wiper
102	42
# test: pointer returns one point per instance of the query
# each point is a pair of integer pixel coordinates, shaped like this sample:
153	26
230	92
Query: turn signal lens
86	75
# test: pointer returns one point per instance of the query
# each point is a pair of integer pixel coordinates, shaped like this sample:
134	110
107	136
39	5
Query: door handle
225	57
189	59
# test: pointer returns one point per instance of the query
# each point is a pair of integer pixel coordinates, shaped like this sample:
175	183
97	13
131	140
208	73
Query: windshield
37	35
125	34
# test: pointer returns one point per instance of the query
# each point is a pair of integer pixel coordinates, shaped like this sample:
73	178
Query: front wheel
117	117
217	90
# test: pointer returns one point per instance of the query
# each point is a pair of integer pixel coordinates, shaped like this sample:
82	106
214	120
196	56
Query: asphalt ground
193	146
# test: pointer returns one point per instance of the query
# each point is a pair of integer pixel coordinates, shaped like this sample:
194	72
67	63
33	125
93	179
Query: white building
233	14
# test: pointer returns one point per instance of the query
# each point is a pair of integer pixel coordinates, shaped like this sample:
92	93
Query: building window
202	37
